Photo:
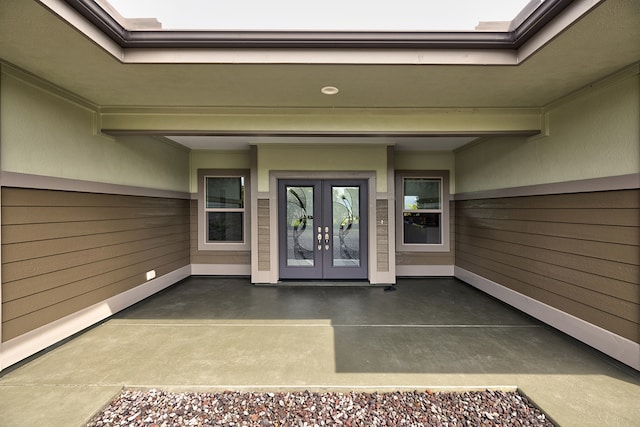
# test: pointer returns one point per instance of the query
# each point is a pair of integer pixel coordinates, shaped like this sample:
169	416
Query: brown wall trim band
22	180
610	183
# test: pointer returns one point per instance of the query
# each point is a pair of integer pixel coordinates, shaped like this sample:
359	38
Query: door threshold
323	283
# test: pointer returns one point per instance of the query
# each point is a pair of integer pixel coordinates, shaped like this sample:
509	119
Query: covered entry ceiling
591	40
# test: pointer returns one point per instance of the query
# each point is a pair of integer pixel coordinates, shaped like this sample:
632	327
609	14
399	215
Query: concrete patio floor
208	334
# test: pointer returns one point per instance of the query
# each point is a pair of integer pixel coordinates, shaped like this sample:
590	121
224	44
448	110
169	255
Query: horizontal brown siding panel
64	251
618	325
18	326
18	233
39	266
579	253
619	217
598	233
36	249
222	257
628	291
610	269
40	283
29	303
56	214
600	250
627	308
424	258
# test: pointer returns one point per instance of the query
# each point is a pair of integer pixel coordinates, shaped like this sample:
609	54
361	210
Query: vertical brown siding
264	235
212	256
579	252
382	234
65	251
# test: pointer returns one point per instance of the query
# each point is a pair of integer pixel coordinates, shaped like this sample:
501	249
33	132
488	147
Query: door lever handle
326	238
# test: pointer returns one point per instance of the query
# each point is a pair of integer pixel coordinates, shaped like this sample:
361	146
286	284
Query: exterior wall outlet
151	274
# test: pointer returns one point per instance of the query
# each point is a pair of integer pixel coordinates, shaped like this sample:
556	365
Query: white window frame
203	244
445	199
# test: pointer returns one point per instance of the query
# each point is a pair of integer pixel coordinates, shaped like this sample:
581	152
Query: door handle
326	238
319	238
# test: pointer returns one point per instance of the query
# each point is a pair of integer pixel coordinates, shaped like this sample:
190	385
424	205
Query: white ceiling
604	41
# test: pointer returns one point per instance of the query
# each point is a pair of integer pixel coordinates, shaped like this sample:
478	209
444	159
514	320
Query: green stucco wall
592	134
217	159
427	160
319	158
43	133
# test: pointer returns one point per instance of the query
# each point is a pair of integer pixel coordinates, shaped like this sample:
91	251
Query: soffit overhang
59	45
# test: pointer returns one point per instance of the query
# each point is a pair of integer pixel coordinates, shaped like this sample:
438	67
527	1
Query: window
225	208
222	209
422	210
423	223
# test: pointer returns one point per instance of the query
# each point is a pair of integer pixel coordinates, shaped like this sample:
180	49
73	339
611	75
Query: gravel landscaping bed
479	408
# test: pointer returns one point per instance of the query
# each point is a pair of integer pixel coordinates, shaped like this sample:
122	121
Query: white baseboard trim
424	270
619	348
221	270
382	278
25	345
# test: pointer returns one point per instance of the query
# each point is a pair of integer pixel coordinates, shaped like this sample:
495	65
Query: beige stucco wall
592	134
43	133
292	157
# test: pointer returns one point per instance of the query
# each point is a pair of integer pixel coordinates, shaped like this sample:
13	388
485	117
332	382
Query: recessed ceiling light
329	90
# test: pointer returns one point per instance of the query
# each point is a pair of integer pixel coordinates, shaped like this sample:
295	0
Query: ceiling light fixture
329	90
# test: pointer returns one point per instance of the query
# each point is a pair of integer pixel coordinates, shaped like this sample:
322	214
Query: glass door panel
300	229
346	226
300	254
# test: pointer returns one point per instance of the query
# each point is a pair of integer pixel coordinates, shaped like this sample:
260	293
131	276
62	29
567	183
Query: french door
323	229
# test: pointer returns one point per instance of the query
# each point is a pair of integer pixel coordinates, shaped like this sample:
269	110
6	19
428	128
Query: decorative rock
158	408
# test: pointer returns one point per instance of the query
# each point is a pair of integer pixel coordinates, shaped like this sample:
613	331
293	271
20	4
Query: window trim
445	200
203	244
